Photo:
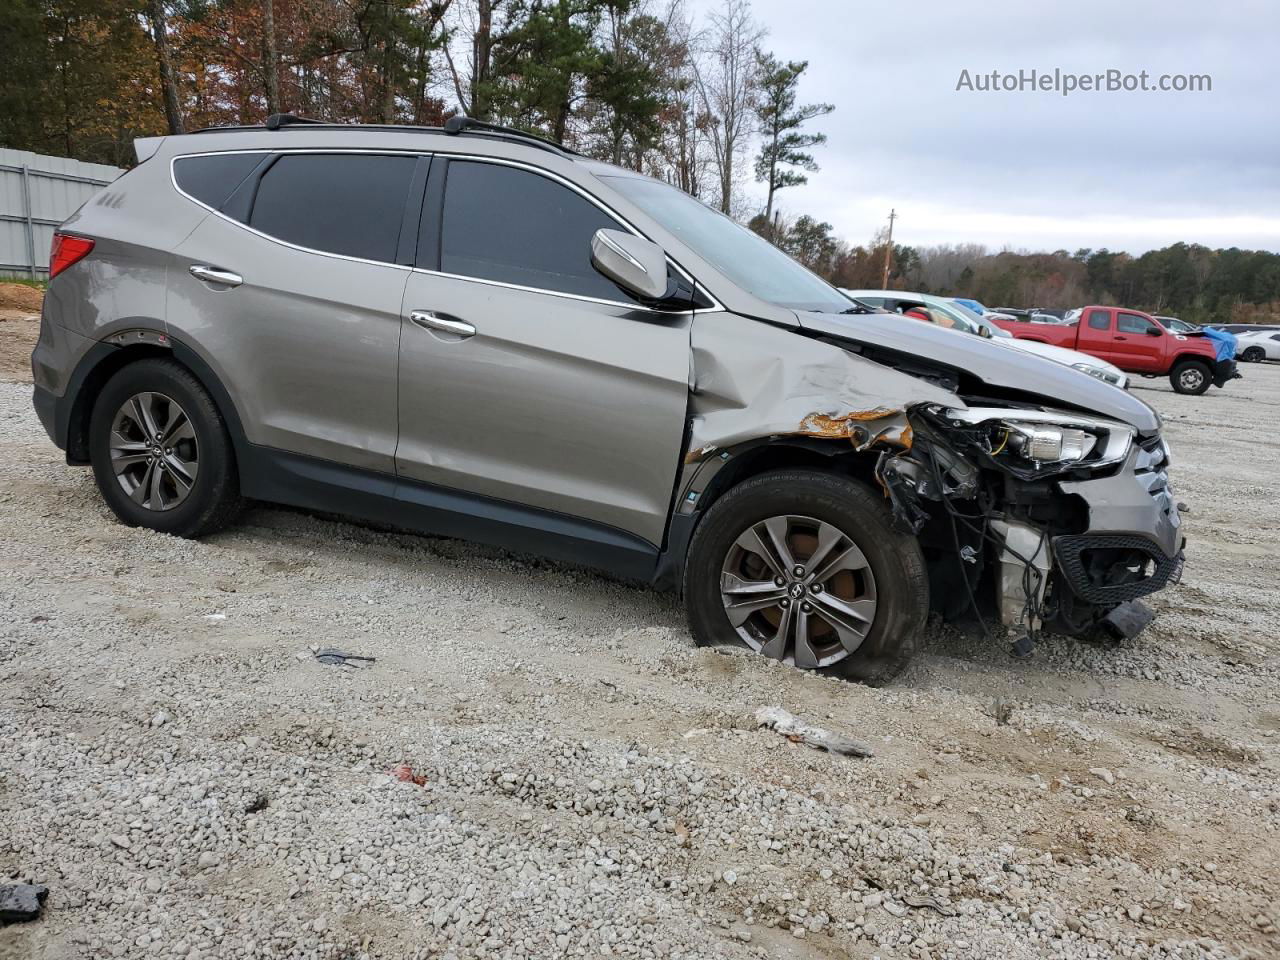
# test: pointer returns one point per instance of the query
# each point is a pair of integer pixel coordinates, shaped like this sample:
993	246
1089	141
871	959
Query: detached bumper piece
1128	620
1224	371
1109	569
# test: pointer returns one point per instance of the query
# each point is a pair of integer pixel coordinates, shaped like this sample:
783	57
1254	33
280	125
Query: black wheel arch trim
70	416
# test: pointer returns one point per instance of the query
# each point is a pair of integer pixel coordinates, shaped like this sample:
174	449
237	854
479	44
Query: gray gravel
189	781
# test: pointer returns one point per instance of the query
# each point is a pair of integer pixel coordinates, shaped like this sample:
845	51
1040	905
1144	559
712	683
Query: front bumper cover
1134	525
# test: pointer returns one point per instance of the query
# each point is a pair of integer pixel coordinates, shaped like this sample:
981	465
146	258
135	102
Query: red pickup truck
1134	342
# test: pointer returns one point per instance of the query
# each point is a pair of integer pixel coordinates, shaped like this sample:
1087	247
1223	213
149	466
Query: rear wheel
804	567
1190	376
1253	355
160	451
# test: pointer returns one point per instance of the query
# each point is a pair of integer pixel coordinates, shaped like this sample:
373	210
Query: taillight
65	251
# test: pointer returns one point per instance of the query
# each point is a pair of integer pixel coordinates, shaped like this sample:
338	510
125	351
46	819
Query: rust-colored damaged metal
862	428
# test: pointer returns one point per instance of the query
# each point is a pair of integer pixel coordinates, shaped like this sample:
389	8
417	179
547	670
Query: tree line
1190	281
699	101
637	82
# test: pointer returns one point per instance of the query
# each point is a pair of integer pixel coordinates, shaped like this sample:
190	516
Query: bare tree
270	57
726	77
475	24
158	17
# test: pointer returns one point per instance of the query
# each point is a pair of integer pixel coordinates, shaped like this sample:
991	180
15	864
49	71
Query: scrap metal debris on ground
20	902
798	731
338	658
919	901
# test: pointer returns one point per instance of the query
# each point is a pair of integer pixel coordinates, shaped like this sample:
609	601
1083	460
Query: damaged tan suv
471	332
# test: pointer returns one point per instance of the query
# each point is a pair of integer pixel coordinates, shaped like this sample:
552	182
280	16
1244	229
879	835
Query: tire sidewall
1176	378
216	458
902	592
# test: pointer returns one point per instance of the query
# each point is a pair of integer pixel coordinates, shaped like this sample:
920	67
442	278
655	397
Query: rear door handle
203	271
434	321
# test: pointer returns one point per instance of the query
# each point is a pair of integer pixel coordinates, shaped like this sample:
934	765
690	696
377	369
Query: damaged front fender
752	381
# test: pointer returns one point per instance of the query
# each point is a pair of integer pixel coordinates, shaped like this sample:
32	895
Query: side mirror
633	263
985	331
1153	331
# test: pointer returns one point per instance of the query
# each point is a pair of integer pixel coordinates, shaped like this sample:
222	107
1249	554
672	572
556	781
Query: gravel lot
190	782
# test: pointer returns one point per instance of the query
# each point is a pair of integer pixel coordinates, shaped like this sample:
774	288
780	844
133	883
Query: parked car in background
974	305
1258	345
1174	325
1238	328
981	310
949	313
1133	341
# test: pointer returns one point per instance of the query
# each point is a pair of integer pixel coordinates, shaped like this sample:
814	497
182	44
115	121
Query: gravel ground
576	779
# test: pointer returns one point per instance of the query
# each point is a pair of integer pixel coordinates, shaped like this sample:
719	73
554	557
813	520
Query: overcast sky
1035	170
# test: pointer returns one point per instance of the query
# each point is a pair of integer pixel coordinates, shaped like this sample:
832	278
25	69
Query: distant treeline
1187	280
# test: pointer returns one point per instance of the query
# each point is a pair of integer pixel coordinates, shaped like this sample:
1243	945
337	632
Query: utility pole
888	250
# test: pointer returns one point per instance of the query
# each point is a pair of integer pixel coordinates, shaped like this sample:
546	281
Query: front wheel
1253	355
1191	377
805	567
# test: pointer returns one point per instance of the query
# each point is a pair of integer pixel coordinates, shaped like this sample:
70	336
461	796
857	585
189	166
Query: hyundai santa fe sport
474	333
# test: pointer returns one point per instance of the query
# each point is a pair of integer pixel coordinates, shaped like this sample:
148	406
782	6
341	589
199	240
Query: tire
1191	377
202	452
884	565
1253	355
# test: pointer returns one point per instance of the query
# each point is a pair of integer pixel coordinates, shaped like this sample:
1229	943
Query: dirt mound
18	296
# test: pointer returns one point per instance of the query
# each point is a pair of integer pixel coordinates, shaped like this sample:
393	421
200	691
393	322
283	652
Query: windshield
954	316
750	261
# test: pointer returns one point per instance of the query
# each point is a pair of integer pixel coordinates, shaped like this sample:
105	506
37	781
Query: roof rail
278	120
461	123
454	126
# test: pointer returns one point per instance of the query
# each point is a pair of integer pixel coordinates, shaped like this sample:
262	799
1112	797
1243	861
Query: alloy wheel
154	452
799	590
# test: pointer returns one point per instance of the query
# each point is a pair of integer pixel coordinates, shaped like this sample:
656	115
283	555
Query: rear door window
213	178
1100	319
350	204
514	226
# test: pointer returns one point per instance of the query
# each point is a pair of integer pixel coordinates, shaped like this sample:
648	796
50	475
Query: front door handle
434	321
226	278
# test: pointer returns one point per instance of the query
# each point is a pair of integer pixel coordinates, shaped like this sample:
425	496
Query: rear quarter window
213	178
1100	319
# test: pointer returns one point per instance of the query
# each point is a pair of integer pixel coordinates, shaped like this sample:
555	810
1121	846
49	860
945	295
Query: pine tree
784	146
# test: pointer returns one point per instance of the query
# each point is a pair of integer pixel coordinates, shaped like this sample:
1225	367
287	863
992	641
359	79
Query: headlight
1106	376
1046	443
1031	443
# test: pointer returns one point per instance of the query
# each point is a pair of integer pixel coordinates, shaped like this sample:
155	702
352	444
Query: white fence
36	194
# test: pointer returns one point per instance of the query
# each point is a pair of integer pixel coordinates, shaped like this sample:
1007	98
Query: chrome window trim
502	161
173	178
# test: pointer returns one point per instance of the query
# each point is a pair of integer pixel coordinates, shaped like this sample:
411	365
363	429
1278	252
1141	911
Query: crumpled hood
992	364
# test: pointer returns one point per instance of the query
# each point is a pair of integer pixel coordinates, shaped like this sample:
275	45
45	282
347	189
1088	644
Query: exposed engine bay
1066	519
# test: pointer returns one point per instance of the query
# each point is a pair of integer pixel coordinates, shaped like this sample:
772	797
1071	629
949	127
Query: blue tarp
1224	343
